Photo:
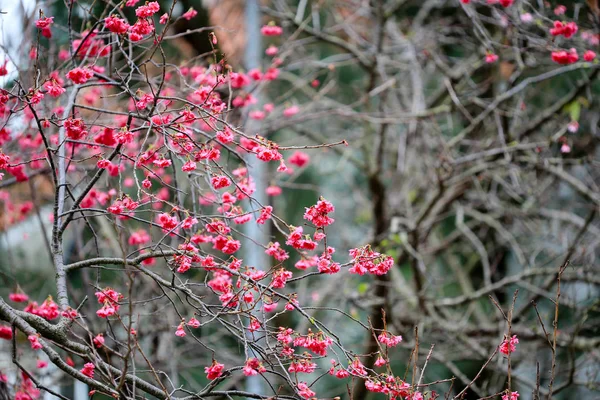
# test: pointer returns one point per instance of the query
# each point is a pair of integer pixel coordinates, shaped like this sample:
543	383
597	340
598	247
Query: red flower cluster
116	25
388	339
365	259
253	367
509	345
271	30
80	75
316	342
88	370
18	297
44	24
48	310
109	298
318	214
147	10
565	57
5	332
565	29
214	371
75	128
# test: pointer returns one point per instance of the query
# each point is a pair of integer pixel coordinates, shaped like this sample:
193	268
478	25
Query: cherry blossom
214	371
509	346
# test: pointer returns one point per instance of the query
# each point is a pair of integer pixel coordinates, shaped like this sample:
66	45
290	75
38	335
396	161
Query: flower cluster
47	310
88	370
365	259
388	339
509	345
565	29
253	367
214	371
109	298
319	213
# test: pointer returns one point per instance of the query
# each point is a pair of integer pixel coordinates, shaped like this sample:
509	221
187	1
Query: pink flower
271	30
188	166
163	18
506	3
41	364
357	368
44	25
214	371
226	244
167	222
565	29
239	80
18	297
318	214
564	57
4	160
380	361
325	265
273	190
147	10
299	158
255	74
304	391
44	22
253	367
103	163
573	126
388	339
69	313
303	365
80	75
316	342
219	182
99	340
266	154
277	252
513	396
291	111
271	74
189	14
124	136
265	214
5	332
34	340
509	345
48	310
589	56
526	18
194	323
180	330
54	88
560	10
88	370
271	50
225	136
141	28
257	115
281	276
116	25
491	58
